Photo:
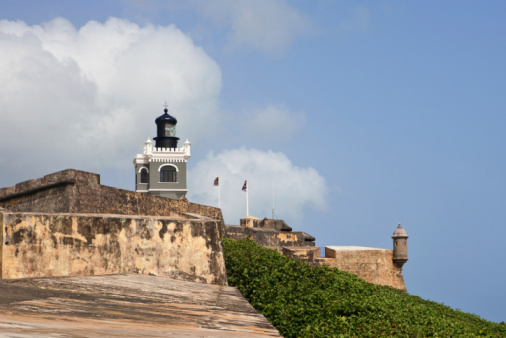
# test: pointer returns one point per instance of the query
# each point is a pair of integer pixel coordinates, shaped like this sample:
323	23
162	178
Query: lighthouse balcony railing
168	150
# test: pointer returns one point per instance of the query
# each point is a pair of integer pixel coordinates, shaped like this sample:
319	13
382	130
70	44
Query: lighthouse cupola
166	131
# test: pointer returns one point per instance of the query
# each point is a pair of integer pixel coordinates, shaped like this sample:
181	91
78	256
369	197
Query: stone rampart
75	191
43	245
372	265
124	202
270	238
51	193
275	224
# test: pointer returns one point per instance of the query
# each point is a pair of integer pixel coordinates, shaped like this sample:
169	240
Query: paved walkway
125	305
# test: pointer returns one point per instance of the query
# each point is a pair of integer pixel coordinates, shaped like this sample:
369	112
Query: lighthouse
161	169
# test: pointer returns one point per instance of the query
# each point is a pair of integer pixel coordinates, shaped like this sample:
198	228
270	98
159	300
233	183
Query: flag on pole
217	184
245	186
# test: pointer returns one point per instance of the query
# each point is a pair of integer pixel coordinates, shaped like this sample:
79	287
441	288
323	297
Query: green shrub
306	301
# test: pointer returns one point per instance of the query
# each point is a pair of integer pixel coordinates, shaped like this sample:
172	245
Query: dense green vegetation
306	301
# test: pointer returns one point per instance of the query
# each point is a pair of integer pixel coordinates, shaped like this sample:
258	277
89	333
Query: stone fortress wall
67	224
75	191
47	245
374	265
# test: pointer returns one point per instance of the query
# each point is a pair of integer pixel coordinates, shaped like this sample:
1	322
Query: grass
306	301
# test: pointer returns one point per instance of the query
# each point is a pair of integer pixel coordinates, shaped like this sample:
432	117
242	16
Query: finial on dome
166	110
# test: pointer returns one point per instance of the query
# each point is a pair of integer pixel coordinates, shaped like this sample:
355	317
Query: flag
245	186
216	181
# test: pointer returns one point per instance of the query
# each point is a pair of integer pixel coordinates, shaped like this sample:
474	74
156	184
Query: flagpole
217	183
273	199
247	205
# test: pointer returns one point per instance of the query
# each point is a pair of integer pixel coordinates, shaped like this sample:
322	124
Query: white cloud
88	98
295	188
274	122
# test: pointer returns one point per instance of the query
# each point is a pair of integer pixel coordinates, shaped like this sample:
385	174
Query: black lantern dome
166	131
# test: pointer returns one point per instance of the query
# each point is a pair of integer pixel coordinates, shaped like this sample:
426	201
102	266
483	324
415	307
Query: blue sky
362	114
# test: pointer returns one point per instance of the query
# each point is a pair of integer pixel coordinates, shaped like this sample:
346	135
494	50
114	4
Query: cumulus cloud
295	188
88	97
274	122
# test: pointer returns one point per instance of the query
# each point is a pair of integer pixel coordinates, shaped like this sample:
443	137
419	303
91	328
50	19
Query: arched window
168	174
144	175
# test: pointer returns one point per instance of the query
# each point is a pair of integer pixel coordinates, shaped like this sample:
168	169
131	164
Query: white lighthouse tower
161	170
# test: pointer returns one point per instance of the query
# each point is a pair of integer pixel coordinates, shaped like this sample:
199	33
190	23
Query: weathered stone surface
125	306
371	264
270	238
74	191
274	224
249	221
52	193
306	253
39	245
92	246
124	202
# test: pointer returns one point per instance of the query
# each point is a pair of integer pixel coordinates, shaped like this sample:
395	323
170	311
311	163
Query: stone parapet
309	254
274	224
44	245
75	191
51	193
270	238
124	202
63	177
372	265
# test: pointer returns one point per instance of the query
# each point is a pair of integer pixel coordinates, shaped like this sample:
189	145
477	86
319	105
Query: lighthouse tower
161	170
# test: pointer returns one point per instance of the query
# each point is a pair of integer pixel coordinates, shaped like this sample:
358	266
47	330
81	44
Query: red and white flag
216	181
245	186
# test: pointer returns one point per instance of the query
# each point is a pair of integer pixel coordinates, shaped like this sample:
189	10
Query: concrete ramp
125	306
